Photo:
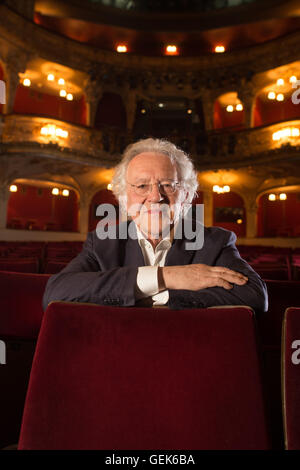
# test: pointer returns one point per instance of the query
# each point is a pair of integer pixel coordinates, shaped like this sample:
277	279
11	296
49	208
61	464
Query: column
130	103
208	207
14	63
93	94
251	218
4	196
84	206
208	100
247	95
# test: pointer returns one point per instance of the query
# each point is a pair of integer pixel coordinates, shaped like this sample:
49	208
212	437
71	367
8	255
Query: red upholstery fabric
291	378
21	303
20	320
138	378
21	265
282	294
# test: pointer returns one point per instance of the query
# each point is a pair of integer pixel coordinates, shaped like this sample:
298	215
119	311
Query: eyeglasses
146	188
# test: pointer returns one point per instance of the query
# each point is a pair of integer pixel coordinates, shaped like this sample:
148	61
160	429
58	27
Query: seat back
142	378
21	297
20	320
291	378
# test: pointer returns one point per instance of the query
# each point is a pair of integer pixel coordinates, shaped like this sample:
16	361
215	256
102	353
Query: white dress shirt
147	277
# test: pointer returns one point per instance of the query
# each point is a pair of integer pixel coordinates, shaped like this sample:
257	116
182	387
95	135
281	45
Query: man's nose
155	195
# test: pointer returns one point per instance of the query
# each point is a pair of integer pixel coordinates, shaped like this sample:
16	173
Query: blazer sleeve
252	294
82	280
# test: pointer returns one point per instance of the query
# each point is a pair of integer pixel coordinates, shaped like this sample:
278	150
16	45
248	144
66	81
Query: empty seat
24	265
142	378
20	320
291	378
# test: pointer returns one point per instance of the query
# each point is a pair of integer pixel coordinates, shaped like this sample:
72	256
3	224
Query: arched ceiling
193	30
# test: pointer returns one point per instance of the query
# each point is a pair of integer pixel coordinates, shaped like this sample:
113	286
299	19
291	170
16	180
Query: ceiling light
229	108
26	82
239	107
13	188
282	196
160	105
61	81
65	192
293	79
280	97
50	77
271	95
280	81
109	186
171	49
55	191
63	93
272	197
121	48
219	48
69	97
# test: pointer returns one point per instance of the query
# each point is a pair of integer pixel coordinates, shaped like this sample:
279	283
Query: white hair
185	168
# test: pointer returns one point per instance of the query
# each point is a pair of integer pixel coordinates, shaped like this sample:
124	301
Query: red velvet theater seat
142	378
291	378
20	319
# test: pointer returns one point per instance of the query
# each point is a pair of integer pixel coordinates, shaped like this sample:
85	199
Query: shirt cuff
147	281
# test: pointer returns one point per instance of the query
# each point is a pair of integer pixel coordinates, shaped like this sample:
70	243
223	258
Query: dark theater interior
79	82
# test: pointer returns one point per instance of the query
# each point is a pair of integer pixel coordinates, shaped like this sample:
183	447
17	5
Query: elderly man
155	263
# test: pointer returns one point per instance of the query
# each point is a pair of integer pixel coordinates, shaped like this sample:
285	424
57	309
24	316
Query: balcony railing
208	149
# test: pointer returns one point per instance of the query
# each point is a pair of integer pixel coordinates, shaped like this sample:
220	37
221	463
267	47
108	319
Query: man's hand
198	276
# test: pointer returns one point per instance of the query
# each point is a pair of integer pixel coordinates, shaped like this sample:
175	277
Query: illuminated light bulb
160	105
239	221
216	188
295	132
61	81
229	108
61	133
65	192
189	111
282	196
280	97
50	77
226	188
121	48
63	93
272	197
171	49
143	111
13	188
51	130
44	130
271	95
55	191
109	186
219	49
280	81
293	79
239	107
26	82
69	97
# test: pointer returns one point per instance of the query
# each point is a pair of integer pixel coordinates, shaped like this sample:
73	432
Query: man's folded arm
82	280
253	293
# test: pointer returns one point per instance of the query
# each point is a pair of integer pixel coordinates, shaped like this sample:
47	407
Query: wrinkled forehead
150	165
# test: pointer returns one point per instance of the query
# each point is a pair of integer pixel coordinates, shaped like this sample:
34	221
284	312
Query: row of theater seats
52	257
37	257
132	378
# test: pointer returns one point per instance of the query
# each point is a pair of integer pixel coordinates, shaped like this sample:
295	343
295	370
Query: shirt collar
164	243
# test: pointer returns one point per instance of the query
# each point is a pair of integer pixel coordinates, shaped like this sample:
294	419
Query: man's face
155	211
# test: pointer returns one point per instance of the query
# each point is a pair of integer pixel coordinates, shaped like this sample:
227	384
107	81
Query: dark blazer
105	273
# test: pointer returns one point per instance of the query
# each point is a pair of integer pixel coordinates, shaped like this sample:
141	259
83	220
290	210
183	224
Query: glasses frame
161	191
